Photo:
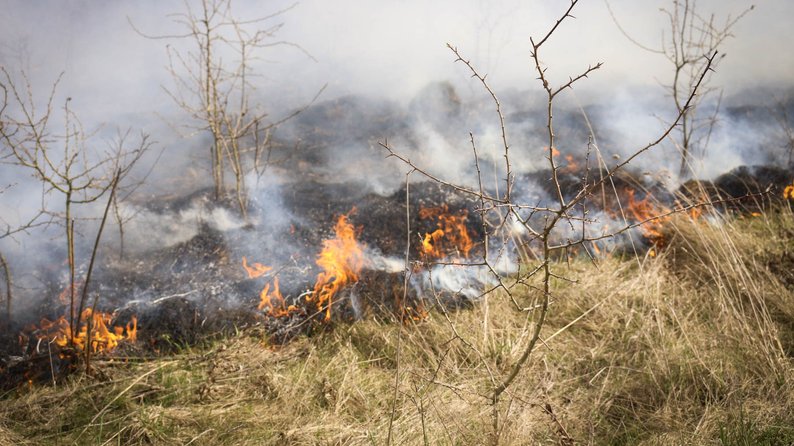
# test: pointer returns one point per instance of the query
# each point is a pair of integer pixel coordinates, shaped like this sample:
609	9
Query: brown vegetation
691	347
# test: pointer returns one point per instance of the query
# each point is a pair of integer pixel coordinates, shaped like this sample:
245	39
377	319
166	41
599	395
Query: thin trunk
70	260
120	221
7	272
685	142
210	98
88	274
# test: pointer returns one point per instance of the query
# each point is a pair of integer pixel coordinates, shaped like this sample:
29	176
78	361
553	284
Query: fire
270	298
431	244
415	314
341	259
572	165
451	238
788	192
643	210
103	339
274	302
64	297
255	270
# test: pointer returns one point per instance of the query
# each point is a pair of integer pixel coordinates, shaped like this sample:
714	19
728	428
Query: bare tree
690	36
66	164
9	286
213	84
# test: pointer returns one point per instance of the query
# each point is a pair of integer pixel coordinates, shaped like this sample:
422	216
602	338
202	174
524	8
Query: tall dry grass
691	347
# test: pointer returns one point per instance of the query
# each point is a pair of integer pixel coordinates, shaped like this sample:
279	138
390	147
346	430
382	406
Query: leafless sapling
689	37
67	164
213	83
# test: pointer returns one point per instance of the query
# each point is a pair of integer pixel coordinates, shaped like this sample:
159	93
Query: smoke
389	51
389	77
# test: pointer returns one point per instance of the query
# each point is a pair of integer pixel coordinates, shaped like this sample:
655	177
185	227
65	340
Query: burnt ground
744	189
184	293
196	289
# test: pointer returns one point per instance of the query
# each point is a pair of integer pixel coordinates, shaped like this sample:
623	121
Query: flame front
341	259
450	239
102	338
270	298
645	209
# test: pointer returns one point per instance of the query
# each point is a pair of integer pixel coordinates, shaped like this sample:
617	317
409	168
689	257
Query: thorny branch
551	216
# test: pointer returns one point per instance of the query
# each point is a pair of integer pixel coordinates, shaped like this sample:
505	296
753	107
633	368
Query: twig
90	319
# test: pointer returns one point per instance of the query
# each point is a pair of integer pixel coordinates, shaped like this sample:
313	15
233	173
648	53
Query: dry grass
691	347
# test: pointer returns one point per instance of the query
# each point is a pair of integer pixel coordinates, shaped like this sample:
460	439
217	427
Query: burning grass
693	346
101	337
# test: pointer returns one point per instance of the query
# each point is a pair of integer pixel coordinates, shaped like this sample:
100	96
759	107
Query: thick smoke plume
390	77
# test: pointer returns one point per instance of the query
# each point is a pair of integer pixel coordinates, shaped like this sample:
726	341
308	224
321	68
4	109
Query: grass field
693	346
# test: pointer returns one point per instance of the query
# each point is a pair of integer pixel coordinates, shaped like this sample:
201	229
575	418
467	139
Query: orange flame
572	165
418	313
431	244
450	239
645	209
274	302
341	259
255	270
103	339
788	192
270	300
596	249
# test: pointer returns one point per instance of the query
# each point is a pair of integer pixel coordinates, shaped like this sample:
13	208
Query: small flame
572	165
415	314
65	296
788	192
450	239
103	339
596	249
255	270
270	298
274	302
695	213
341	259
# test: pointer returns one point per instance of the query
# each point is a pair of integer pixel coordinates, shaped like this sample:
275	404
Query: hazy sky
386	48
389	47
